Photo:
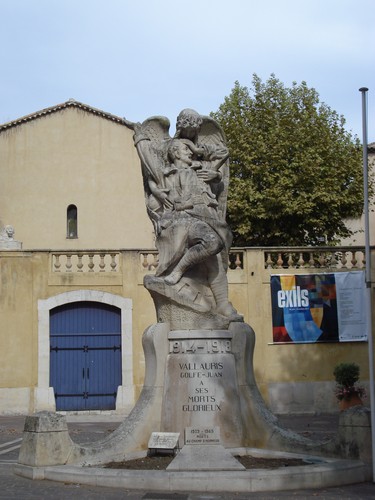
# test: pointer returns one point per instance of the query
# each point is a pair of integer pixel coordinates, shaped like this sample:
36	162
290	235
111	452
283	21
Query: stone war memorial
199	392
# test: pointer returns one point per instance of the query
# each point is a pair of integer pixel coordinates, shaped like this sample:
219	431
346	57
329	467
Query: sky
140	58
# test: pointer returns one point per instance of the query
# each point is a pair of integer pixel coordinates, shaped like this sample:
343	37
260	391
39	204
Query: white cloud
158	56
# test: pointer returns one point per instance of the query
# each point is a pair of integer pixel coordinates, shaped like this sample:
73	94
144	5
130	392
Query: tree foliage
295	171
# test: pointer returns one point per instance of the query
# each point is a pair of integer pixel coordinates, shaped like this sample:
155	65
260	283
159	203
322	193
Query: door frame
44	395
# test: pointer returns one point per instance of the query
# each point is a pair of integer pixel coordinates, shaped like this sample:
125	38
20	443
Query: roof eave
65	105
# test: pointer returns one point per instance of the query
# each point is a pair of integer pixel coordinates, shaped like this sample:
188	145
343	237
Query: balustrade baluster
311	260
322	260
290	260
113	262
269	262
91	263
102	263
301	262
333	261
238	262
354	260
343	260
150	261
68	264
79	264
144	261
57	263
279	261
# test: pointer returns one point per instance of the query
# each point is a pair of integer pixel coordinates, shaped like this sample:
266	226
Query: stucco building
72	162
72	303
358	225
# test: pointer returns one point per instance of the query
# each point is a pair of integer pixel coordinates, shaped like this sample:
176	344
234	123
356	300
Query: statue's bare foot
173	278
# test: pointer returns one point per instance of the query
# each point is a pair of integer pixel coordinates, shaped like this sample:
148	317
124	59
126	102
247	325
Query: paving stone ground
84	429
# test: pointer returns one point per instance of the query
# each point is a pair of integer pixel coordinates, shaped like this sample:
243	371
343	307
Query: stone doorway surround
44	396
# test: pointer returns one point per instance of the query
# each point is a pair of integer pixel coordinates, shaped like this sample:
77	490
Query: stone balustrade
149	260
284	258
236	259
344	258
85	262
94	261
48	275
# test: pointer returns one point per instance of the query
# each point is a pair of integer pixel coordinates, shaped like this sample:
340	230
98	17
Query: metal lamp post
364	91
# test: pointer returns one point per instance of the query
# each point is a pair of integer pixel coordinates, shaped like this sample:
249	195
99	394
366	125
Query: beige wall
358	225
290	377
73	157
26	279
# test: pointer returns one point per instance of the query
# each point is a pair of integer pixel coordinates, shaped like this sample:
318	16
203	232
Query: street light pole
364	91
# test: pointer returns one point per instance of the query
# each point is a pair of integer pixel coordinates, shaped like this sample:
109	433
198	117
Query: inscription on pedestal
202	396
201	390
200	346
194	435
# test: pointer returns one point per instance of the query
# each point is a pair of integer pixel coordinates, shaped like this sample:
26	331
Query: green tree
295	171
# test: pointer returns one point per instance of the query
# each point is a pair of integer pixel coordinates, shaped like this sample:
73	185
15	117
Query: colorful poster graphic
319	307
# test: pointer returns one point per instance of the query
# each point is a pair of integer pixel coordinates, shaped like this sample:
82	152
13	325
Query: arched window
71	222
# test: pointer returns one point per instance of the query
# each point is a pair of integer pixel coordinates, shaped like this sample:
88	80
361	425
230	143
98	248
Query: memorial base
204	458
196	379
200	387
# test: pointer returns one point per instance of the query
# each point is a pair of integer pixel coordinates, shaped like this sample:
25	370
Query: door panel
66	372
103	370
85	359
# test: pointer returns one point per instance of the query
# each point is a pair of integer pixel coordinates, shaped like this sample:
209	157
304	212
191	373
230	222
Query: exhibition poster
328	307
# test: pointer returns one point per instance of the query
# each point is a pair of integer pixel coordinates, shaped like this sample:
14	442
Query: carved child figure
186	199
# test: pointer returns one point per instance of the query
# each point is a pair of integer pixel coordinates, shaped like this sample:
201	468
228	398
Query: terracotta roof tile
68	104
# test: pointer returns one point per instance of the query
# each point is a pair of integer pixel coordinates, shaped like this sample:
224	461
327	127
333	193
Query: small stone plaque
202	435
164	440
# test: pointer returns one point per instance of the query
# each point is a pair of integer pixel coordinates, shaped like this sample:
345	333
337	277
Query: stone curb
322	474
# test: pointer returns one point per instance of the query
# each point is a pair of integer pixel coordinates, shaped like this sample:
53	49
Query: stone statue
186	185
9	230
199	375
7	241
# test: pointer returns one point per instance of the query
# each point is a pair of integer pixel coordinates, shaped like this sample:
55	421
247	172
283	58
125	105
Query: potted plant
347	391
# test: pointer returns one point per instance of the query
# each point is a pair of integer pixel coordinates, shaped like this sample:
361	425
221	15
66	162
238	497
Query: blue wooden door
85	355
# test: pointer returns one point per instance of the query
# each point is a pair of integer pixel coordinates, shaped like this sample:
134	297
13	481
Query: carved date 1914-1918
200	346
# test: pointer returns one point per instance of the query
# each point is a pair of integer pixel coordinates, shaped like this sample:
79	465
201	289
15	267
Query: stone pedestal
7	244
201	378
353	439
200	387
204	458
46	440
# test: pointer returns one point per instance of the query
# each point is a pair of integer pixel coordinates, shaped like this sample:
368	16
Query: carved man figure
186	197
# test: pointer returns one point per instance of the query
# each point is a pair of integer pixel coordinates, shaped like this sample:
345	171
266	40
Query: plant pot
353	400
